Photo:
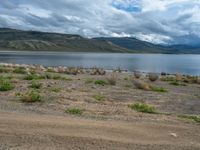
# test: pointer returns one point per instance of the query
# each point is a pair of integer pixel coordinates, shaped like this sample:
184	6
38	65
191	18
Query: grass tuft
99	97
31	97
100	82
36	85
32	77
158	89
142	107
6	85
20	70
74	111
89	81
176	83
195	118
112	79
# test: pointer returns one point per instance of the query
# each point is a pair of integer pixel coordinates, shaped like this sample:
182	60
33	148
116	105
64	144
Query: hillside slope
146	47
11	39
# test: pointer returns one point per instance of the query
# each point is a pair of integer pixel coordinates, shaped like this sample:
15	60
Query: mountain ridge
147	47
13	39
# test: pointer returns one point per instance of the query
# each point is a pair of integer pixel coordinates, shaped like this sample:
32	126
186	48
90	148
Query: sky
156	21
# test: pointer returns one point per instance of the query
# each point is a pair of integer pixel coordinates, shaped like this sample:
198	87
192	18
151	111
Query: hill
146	47
11	39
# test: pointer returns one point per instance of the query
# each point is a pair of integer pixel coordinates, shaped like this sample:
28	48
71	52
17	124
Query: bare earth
21	131
108	124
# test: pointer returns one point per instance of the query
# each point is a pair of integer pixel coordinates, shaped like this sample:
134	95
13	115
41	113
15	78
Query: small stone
174	135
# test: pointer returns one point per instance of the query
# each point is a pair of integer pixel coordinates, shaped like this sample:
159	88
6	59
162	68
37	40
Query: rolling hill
11	39
146	47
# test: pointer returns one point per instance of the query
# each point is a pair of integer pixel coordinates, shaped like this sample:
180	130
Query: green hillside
11	39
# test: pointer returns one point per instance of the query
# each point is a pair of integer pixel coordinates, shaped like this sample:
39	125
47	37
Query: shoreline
56	68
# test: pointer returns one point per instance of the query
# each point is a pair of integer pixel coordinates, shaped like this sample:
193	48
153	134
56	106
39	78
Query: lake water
184	64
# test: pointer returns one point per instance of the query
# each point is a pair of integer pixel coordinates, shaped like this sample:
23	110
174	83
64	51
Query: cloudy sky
158	21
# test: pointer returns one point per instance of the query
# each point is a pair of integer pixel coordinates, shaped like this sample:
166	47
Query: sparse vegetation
56	90
112	79
141	85
195	118
145	86
168	78
99	97
57	77
100	82
31	97
142	107
36	85
126	78
5	70
158	89
20	70
176	83
6	85
74	111
32	77
89	81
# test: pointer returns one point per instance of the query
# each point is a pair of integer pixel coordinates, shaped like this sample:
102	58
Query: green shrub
100	82
2	78
32	77
74	111
4	70
141	107
158	89
20	70
195	118
54	77
6	85
176	83
56	90
99	97
31	97
36	85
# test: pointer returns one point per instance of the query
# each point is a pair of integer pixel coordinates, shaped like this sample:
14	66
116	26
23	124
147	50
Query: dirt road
30	131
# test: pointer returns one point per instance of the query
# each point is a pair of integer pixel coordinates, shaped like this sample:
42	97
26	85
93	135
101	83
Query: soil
106	124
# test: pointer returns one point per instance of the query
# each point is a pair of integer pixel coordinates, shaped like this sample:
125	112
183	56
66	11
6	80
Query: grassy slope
11	39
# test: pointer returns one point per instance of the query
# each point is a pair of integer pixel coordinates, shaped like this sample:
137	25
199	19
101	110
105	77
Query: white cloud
154	38
158	21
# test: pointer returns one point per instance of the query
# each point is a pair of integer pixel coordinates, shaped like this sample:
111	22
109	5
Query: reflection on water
185	64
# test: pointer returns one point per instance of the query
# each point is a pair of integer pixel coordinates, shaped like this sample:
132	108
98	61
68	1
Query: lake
184	64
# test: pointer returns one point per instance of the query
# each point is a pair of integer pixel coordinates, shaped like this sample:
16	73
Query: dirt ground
104	124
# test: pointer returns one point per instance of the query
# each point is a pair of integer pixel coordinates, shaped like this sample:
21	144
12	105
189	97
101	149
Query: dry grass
153	77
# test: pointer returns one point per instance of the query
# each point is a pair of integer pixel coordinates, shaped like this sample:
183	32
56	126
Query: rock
173	135
137	74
